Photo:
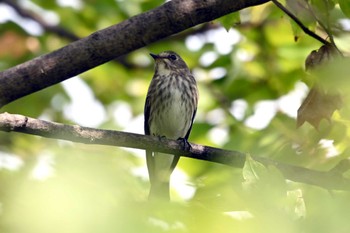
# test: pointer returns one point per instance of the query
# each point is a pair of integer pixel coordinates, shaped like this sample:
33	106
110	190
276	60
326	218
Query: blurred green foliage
91	188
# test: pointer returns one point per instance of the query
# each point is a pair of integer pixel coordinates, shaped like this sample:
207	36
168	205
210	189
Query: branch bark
109	43
332	180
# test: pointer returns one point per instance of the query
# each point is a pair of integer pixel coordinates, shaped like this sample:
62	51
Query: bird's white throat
162	69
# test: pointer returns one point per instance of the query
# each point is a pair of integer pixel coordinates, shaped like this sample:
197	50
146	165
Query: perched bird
170	108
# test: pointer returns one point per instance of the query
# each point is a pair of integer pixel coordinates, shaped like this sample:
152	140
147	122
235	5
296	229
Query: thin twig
300	24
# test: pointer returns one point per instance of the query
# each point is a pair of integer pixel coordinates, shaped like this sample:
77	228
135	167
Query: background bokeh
251	79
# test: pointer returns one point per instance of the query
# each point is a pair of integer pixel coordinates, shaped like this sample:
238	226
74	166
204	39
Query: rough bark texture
107	44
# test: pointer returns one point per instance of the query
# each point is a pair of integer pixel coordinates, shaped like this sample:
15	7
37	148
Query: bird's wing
149	154
146	114
189	129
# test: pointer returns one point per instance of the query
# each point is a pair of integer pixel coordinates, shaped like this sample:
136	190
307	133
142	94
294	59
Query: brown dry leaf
319	103
318	57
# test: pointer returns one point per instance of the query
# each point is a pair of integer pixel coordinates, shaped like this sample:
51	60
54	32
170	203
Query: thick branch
107	44
332	179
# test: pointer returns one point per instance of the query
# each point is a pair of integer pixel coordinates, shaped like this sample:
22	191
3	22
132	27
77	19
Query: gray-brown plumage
170	108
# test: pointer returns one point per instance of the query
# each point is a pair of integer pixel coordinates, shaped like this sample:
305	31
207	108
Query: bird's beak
155	56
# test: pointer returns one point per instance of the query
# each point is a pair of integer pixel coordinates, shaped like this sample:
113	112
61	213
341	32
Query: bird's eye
172	57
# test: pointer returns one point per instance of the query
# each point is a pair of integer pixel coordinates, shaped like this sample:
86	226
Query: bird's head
168	61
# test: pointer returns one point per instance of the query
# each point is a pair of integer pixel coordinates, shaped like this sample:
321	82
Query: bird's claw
161	138
185	144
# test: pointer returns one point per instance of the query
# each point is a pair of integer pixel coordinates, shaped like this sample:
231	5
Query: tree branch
109	43
332	179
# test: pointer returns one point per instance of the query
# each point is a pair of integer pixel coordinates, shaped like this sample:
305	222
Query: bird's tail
159	191
160	167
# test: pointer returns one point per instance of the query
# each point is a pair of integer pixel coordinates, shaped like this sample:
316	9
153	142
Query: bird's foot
185	144
161	138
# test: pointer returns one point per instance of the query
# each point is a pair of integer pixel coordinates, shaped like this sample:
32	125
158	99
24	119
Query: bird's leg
186	146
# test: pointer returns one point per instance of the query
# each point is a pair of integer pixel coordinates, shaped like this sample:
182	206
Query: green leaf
267	181
230	20
345	7
323	5
253	171
296	203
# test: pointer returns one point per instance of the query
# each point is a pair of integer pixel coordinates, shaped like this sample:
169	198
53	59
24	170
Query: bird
170	109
